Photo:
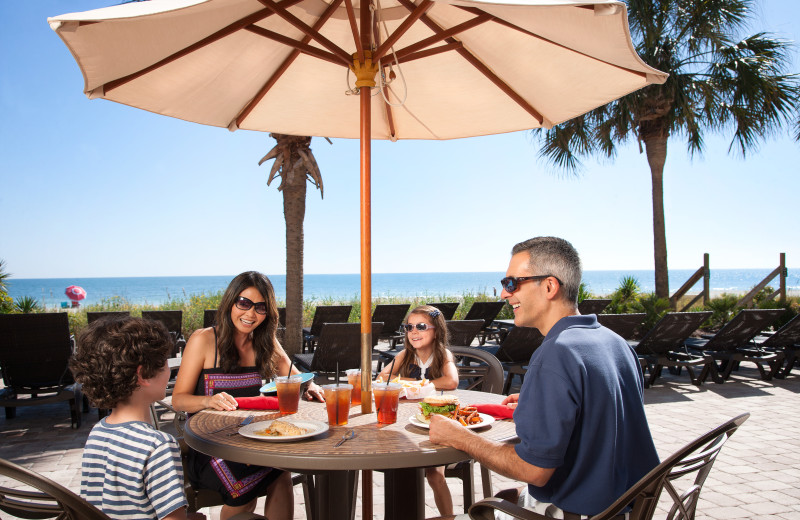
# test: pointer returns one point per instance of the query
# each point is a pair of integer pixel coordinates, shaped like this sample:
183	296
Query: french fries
467	415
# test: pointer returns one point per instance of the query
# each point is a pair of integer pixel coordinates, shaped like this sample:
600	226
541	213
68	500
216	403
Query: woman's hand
314	393
221	401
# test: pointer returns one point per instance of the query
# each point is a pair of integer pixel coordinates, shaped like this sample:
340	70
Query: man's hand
314	393
444	430
511	401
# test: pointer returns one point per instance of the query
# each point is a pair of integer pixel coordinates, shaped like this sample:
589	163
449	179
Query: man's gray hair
554	256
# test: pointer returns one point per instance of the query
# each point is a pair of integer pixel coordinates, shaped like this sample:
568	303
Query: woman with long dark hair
227	361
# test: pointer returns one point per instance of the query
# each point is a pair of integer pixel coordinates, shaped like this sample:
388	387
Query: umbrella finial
365	72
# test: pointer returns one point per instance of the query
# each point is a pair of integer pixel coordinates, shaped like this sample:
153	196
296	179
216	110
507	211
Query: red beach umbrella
75	292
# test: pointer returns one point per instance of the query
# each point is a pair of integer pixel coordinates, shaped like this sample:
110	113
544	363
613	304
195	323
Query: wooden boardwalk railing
704	273
747	300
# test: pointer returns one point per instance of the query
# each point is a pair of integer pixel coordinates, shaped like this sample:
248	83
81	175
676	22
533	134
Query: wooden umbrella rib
430	52
305	29
436	38
483	69
285	65
415	15
300	46
351	17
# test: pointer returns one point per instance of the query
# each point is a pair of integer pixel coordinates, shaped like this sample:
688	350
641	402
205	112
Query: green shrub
623	299
723	308
654	307
26	304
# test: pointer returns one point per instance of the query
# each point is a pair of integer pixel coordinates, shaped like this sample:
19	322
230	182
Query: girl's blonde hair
440	343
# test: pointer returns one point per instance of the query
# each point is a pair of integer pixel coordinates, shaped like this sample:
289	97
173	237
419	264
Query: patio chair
339	343
691	464
663	346
463	332
785	340
209	318
729	345
282	316
486	311
34	353
448	308
626	325
324	314
515	352
91	317
48	499
392	317
173	320
595	306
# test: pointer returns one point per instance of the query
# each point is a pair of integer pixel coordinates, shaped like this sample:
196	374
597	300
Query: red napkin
498	411
258	403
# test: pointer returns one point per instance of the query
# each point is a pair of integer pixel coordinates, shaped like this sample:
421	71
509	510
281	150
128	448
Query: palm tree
294	163
717	82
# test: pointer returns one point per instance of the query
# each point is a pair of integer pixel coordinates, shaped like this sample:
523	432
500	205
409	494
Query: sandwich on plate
445	404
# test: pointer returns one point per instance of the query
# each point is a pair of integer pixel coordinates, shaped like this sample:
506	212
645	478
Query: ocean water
156	290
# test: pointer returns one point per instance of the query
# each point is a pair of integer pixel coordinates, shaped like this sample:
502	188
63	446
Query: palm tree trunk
294	211
656	149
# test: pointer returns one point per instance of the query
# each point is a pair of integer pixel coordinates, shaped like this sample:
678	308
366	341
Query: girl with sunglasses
235	355
426	356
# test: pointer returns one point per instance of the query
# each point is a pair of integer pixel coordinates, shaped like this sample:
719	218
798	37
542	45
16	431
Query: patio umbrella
438	69
75	292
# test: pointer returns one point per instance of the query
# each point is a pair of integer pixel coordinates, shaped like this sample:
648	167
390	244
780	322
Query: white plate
270	387
487	420
313	427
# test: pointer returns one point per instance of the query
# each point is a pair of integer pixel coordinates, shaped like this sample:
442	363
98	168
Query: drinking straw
391	369
337	373
337	392
291	365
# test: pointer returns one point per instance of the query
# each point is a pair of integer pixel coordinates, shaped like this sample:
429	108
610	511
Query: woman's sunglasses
246	304
419	326
511	283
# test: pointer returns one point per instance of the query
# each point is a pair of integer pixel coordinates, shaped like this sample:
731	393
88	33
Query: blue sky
94	188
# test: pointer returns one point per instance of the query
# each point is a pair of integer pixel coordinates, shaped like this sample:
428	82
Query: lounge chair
91	317
448	308
486	311
663	346
34	353
392	317
339	343
324	314
593	306
515	352
693	460
463	332
626	325
173	320
728	346
785	340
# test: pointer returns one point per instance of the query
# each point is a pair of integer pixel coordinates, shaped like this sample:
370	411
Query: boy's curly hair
110	350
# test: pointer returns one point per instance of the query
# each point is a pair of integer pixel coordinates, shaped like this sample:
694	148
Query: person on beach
236	355
580	418
129	470
426	356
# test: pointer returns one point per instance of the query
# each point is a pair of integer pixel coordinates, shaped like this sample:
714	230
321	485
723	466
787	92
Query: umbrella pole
366	253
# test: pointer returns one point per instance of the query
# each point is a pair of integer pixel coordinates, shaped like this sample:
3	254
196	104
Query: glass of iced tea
288	388
354	379
387	400
337	401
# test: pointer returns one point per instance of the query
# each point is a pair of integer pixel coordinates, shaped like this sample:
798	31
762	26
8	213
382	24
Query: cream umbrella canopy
366	69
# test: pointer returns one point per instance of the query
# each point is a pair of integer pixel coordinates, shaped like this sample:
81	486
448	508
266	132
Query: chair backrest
478	370
50	501
695	458
209	318
448	308
671	331
329	314
519	345
35	350
280	333
282	316
787	335
91	317
173	320
391	315
486	311
462	332
742	328
340	343
594	306
626	325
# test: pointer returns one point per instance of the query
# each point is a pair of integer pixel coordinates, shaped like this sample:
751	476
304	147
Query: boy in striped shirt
130	470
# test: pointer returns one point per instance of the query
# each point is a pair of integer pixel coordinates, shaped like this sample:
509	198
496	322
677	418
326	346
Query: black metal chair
392	317
486	311
339	343
91	317
34	353
463	332
695	459
173	320
626	325
786	341
209	318
593	306
448	309
515	352
324	314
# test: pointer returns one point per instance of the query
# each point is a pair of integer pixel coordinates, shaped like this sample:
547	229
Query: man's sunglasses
419	326
246	304
511	283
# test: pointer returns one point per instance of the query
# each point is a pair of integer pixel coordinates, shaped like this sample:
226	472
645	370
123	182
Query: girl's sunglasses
246	304
511	283
420	326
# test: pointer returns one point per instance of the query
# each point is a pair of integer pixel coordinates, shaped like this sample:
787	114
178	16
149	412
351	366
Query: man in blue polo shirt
584	437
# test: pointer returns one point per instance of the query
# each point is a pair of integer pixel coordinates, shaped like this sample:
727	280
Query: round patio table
402	449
